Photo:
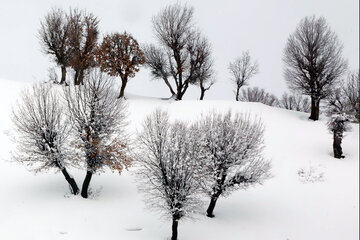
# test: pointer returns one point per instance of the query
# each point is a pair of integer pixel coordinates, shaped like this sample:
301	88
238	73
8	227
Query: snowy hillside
322	202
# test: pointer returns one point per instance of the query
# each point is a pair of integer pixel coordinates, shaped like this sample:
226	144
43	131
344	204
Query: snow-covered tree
338	124
167	168
231	146
98	118
42	132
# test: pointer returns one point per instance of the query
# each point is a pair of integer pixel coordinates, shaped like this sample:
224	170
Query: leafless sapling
241	70
42	132
120	55
99	121
54	36
176	57
167	170
232	146
313	61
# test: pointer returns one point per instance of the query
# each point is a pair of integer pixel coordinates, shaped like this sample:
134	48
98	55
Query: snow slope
285	207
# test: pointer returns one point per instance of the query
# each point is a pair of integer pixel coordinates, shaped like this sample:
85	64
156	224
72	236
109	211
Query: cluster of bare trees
72	39
87	130
214	156
183	57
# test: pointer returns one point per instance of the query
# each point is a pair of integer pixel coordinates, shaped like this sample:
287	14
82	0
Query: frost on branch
99	121
232	149
167	171
42	132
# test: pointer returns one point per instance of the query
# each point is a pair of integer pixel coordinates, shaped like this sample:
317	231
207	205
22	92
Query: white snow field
320	203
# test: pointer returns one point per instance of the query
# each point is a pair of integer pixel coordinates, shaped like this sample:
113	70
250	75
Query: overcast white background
262	27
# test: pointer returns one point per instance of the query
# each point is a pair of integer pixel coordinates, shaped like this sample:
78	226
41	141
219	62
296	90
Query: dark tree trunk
174	228
71	181
210	210
76	76
63	75
315	105
169	86
202	93
81	78
122	89
337	146
237	93
179	94
86	183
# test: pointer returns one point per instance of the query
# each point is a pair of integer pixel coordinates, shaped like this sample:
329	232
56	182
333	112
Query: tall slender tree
313	61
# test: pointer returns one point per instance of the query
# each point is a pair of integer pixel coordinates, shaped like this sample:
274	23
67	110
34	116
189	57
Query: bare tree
179	57
42	132
232	146
120	55
82	41
338	124
54	39
256	94
167	169
295	102
351	92
242	69
345	99
313	61
99	122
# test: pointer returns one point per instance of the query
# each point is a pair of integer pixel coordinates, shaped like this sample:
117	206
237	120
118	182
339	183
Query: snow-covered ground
319	204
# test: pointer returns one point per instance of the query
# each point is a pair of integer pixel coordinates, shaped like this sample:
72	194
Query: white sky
261	26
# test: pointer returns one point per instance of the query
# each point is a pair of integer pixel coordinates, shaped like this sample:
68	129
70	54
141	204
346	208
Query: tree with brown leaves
82	41
99	121
120	55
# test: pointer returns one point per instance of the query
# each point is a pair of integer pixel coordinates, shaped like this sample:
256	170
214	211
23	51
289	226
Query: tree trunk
315	104
76	76
179	95
63	75
71	181
81	78
211	207
169	86
86	183
237	93
175	223
122	89
202	93
337	146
